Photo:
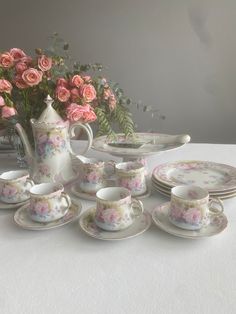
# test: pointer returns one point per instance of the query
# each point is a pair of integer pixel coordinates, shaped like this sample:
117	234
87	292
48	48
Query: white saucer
23	220
160	218
88	225
75	189
144	195
11	205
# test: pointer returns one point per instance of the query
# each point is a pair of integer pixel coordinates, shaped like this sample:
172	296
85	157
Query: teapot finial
48	101
49	115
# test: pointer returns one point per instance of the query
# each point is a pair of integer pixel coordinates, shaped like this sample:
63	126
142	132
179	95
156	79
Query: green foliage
104	126
124	120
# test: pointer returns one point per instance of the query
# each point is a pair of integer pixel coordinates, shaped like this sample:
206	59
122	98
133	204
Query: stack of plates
218	179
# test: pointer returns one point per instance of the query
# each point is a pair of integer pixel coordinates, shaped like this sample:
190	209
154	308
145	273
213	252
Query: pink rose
5	86
28	60
74	112
107	93
44	63
89	116
21	67
87	78
2	101
19	82
80	113
62	94
17	53
32	77
88	92
62	82
112	102
74	94
76	81
8	112
6	60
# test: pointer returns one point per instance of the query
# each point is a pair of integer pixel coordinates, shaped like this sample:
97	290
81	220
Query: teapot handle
87	129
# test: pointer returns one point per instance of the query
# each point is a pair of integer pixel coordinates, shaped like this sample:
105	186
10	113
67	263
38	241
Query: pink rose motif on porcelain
42	138
109	215
56	140
92	177
9	191
176	212
41	207
44	169
132	184
49	143
192	216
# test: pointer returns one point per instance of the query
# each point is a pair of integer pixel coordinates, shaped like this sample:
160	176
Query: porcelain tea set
115	187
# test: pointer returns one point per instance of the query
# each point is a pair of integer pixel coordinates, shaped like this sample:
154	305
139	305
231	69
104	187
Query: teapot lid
49	115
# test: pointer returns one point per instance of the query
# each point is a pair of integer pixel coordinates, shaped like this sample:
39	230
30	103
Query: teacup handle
67	198
89	132
30	182
214	210
137	207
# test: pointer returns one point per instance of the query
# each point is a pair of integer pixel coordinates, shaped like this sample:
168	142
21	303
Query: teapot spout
26	143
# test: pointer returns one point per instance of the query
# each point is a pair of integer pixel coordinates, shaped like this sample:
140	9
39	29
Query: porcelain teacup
48	202
131	175
15	186
93	174
115	209
190	207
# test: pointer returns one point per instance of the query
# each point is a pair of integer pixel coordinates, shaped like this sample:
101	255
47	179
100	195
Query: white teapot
51	161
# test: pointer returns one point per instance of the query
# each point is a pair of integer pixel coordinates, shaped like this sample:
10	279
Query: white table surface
65	271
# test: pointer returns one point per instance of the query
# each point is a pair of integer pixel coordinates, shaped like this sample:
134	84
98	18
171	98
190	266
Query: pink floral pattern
184	214
49	143
113	216
15	191
92	177
44	209
210	175
192	216
109	215
41	208
133	184
9	191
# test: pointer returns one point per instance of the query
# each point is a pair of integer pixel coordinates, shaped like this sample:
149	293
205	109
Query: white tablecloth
65	271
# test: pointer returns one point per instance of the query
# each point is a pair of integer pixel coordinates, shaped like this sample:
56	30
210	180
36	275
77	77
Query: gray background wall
177	56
